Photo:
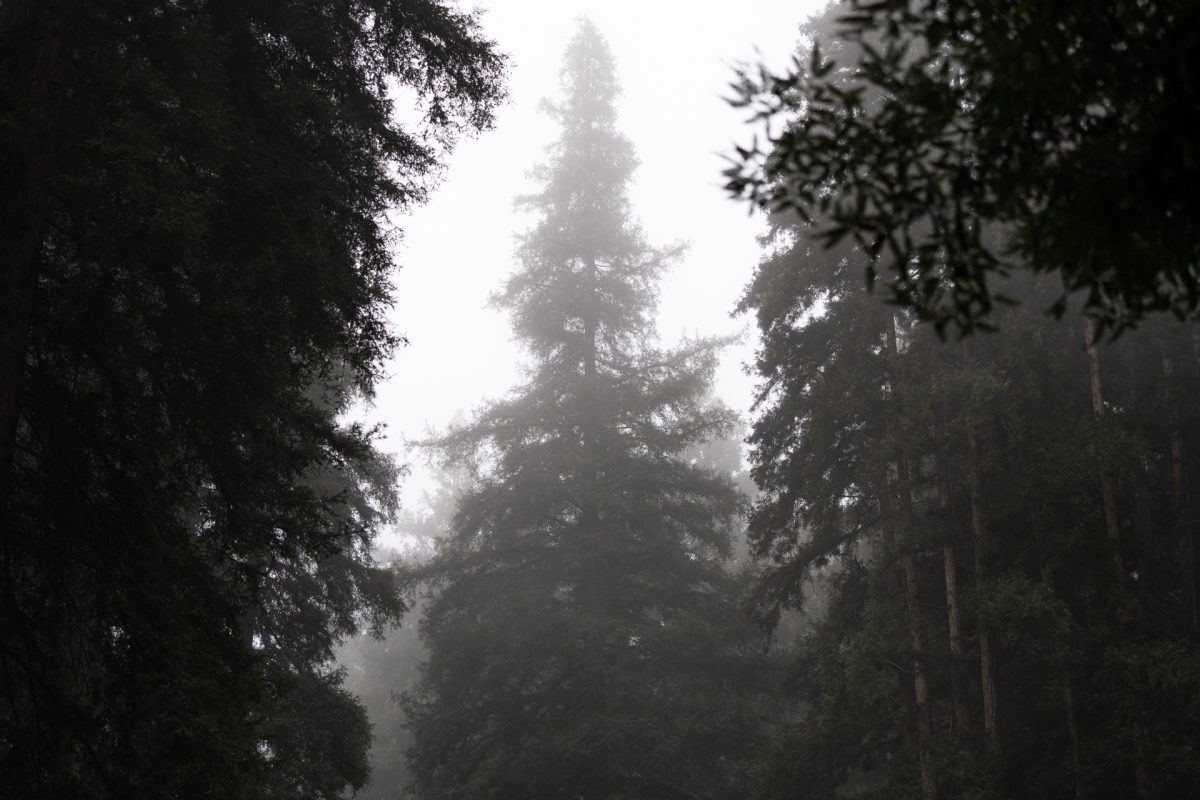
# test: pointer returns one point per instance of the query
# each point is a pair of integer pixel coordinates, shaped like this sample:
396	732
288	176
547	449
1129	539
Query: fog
375	422
675	61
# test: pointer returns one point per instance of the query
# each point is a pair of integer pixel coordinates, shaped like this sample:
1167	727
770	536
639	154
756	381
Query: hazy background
674	60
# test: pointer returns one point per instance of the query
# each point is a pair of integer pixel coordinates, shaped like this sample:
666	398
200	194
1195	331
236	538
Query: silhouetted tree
193	294
582	631
1070	126
903	470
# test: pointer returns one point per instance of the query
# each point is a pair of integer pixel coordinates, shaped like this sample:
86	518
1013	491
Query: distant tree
915	127
193	289
582	630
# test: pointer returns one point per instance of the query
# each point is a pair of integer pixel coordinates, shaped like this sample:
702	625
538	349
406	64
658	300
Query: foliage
187	518
915	128
582	630
1005	524
380	668
1095	673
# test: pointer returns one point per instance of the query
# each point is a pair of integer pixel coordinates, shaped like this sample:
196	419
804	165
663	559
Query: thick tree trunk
987	666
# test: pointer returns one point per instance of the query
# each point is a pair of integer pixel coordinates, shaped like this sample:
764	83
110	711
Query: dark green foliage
915	127
834	412
582	630
1056	491
187	523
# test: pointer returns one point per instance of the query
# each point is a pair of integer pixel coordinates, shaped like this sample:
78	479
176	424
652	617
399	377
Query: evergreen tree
1039	471
1069	667
1009	581
581	628
194	287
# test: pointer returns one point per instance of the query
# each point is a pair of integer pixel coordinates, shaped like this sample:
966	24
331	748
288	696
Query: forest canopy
921	130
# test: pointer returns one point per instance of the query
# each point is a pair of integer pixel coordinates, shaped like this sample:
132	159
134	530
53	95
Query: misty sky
674	60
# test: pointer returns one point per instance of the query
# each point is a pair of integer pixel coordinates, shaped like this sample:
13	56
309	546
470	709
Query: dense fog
580	400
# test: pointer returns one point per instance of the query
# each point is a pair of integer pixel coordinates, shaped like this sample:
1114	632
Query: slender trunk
958	686
987	666
920	678
958	683
1108	494
893	586
912	599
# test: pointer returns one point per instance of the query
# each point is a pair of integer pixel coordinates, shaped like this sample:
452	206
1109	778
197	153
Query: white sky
674	60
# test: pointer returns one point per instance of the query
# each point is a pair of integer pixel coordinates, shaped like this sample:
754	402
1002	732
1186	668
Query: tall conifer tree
581	624
193	288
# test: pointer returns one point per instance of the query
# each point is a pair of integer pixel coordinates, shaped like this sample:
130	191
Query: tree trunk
912	592
958	686
1065	682
1108	494
958	683
987	667
912	599
893	580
